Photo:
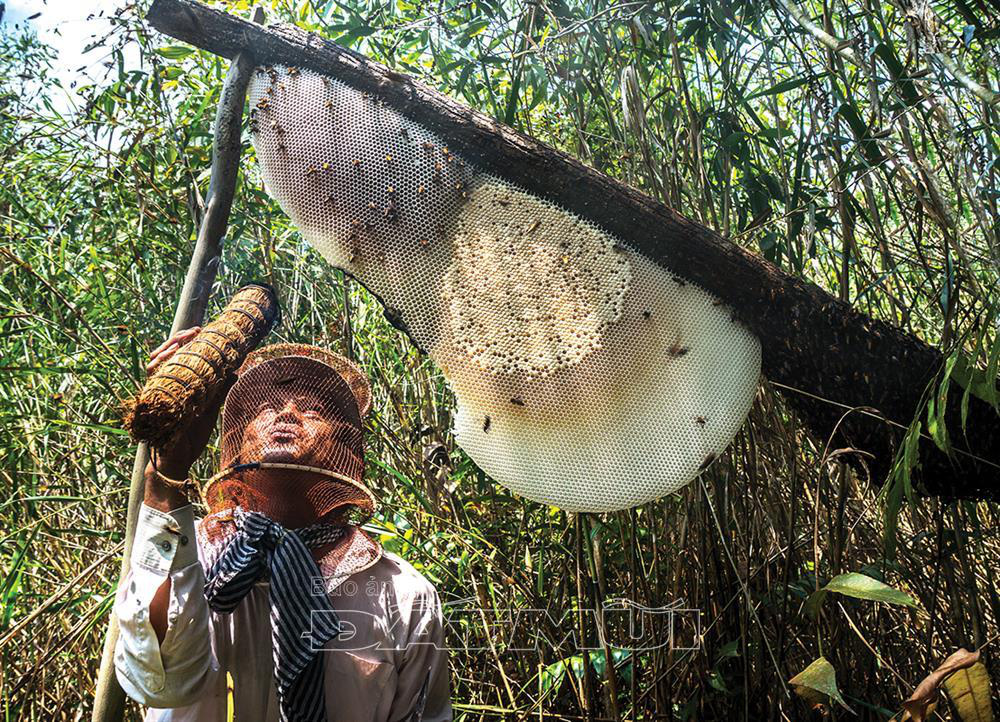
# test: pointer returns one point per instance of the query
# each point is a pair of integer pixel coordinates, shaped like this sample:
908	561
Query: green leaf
729	649
174	52
473	29
814	603
785	85
817	683
861	586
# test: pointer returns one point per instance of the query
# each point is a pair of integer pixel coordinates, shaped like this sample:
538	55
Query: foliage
853	145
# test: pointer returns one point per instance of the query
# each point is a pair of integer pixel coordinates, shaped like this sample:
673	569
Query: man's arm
167	667
164	656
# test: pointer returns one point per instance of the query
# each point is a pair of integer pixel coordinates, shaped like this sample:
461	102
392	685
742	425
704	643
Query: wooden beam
840	369
109	699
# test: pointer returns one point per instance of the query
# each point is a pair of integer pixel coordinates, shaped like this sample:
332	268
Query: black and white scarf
301	621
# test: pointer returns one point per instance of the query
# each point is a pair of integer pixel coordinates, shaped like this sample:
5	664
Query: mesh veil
586	375
297	411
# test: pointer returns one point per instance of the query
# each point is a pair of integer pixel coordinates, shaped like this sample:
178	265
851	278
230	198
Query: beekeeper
277	599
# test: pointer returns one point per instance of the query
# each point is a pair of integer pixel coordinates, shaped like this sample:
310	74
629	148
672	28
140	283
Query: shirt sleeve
423	690
175	672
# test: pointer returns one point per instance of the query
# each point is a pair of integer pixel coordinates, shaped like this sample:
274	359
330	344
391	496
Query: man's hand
174	459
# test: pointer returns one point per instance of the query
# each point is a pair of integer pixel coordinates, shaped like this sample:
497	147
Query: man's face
290	428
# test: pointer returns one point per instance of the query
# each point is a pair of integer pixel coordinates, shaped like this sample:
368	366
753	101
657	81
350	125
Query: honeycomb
586	376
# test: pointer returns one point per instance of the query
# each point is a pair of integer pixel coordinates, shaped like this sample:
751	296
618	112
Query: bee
707	462
330	199
281	147
293	71
534	226
328	104
277	128
326	166
717	302
427	145
517	401
371	205
405	133
647	314
680	281
486	424
676	351
700	420
425	242
388	158
391	211
420	189
312	170
390	190
458	186
356	163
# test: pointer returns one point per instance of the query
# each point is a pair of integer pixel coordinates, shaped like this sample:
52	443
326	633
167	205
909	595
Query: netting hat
292	437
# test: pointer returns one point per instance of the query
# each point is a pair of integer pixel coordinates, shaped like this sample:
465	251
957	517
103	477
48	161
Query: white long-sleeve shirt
389	659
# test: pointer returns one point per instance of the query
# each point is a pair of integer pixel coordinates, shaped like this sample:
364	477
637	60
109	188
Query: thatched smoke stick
181	387
109	698
839	357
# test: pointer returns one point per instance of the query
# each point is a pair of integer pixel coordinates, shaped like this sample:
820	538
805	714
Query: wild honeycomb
586	376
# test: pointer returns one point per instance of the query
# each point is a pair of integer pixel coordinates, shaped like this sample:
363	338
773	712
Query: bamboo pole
109	699
856	381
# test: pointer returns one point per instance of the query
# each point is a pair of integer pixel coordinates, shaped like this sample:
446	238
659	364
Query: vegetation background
852	143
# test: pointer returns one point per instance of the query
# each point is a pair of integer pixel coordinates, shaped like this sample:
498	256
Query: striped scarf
301	622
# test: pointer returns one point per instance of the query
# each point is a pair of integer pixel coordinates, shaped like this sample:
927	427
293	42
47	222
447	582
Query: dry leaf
969	689
921	703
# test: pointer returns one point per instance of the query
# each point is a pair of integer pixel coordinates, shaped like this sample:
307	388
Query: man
277	599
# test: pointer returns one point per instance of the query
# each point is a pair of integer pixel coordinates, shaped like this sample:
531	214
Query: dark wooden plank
812	341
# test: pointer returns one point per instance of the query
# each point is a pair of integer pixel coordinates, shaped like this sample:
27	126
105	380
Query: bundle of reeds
185	384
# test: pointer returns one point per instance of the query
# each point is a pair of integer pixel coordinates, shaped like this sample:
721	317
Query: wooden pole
109	699
842	371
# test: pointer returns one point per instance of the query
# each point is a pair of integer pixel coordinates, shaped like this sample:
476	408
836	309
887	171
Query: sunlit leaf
817	684
969	690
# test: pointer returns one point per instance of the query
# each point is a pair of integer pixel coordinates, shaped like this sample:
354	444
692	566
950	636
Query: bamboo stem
109	699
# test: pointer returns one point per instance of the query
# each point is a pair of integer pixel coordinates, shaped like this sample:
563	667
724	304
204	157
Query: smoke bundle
183	385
